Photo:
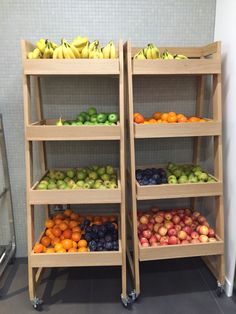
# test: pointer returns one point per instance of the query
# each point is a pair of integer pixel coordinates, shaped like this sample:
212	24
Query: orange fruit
172	119
73	224
58	216
61	251
50	250
139	119
83	249
58	221
76	236
49	233
67	221
202	120
55	241
67	233
164	116
72	250
159	121
67	244
56	232
156	115
82	243
45	241
152	121
172	113
58	246
76	229
68	212
146	122
74	244
193	119
63	226
74	216
136	114
164	121
182	119
38	248
49	223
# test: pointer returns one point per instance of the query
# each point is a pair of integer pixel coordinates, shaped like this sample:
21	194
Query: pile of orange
63	233
166	117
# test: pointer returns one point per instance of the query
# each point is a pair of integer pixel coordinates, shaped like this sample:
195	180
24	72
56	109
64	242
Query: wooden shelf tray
180	251
46	130
202	60
79	196
67	66
166	191
164	130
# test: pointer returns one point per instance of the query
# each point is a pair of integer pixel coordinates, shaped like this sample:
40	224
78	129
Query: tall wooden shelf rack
45	130
202	61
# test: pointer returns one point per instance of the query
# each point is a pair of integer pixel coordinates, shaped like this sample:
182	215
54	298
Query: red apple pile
176	226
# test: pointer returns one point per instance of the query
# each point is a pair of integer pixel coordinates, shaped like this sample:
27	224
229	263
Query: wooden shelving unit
45	130
202	61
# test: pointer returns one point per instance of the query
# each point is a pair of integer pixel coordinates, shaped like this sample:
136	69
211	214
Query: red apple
211	233
172	232
152	220
195	241
168	216
201	219
188	220
195	215
158	236
188	238
156	227
172	240
155	244
143	240
206	224
203	238
204	230
164	240
169	224
194	225
147	234
142	227
180	211
198	228
187	211
144	219
159	219
212	240
182	224
153	239
162	231
161	213
176	219
145	244
184	242
150	226
182	235
178	228
187	229
194	235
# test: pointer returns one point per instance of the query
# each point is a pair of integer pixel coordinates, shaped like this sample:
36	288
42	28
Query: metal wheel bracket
37	303
126	301
133	296
219	289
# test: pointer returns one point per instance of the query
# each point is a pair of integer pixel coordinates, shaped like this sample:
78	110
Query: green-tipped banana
48	52
145	51
36	54
54	46
85	51
167	56
140	55
97	53
55	53
112	50
80	42
41	44
155	52
59	122
94	44
149	52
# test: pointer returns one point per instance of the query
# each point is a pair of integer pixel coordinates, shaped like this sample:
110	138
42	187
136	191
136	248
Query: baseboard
228	287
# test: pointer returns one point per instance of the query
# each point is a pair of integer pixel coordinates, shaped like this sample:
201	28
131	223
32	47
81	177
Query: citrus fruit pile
166	117
70	232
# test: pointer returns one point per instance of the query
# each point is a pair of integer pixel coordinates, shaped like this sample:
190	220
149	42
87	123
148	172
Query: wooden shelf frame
42	130
202	61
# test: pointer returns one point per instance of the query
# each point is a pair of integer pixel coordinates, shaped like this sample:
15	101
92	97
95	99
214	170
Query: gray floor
168	287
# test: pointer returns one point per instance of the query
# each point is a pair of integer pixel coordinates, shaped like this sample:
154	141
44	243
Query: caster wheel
132	296
126	301
37	304
219	290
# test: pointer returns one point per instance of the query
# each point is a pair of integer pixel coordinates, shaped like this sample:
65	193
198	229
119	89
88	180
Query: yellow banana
54	46
85	51
91	54
48	52
36	54
30	55
140	55
41	45
80	42
75	51
106	51
180	57
155	52
149	52
94	44
60	53
112	50
67	52
55	53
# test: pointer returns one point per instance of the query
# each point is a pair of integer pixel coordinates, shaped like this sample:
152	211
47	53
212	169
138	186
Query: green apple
183	179
52	181
105	177
193	179
107	184
196	168
99	181
46	179
101	171
51	174
91	183
113	185
172	179
177	173
97	185
170	166
62	186
198	173
87	186
80	184
59	175
81	175
67	179
44	182
210	179
93	175
102	187
94	167
52	186
71	183
203	177
70	173
42	186
59	182
109	170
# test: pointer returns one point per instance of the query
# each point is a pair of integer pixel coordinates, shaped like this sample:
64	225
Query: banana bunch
180	57
109	51
168	56
149	52
79	43
66	51
44	49
35	54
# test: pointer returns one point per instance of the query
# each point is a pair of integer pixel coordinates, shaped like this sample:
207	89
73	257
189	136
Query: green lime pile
93	177
187	174
91	117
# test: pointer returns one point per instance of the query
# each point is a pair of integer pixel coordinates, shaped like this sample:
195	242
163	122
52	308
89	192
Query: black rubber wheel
219	291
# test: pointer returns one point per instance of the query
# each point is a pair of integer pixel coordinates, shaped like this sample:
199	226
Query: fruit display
93	177
173	174
70	232
152	52
171	227
80	47
166	117
91	117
